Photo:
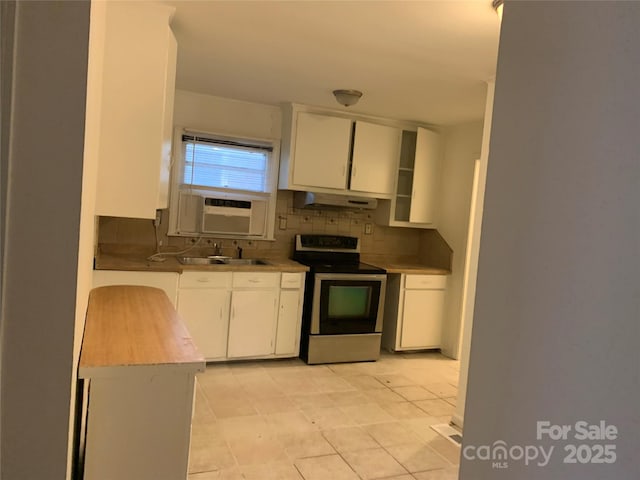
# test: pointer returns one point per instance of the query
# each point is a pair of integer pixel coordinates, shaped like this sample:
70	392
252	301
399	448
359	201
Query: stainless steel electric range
343	302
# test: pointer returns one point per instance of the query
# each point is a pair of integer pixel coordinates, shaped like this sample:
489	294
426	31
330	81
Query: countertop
411	268
131	326
139	262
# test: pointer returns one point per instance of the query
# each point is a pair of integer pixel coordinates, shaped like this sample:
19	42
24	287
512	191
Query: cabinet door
321	151
422	318
167	127
375	158
206	314
288	332
138	63
426	178
138	427
252	323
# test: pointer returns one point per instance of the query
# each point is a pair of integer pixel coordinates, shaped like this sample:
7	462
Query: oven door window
349	302
348	306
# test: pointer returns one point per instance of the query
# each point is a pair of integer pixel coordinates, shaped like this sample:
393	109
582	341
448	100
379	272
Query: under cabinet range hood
330	200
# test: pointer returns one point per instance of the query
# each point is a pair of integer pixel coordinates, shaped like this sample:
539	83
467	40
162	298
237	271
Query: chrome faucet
239	251
217	248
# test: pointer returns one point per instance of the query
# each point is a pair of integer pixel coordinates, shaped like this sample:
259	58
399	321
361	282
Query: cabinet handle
353	171
254	280
203	280
344	170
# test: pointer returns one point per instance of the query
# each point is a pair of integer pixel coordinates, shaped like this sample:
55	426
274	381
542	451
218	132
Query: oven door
347	303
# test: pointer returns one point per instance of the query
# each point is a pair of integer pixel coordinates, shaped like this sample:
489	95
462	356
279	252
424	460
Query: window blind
219	163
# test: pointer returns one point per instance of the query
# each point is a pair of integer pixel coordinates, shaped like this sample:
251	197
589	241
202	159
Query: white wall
471	261
39	302
462	145
556	327
87	232
226	116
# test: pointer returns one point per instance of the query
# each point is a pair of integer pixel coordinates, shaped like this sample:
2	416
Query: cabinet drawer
426	281
291	280
254	279
205	279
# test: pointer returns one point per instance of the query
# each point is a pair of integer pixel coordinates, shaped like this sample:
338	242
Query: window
210	169
210	162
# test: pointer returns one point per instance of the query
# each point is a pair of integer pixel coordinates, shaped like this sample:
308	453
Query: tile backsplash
400	244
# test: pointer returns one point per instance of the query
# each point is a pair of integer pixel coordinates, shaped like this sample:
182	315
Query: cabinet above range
327	153
398	163
416	199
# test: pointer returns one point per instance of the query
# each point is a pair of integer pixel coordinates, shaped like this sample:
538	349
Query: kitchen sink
220	260
244	261
199	261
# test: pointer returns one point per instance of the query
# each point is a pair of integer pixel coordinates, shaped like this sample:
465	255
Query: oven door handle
351	276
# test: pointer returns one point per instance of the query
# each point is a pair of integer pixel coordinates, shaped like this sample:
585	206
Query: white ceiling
423	61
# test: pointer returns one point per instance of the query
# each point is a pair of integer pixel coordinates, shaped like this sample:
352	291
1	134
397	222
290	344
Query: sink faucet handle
239	250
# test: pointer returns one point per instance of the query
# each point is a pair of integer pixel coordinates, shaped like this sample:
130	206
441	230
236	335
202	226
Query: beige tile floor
283	419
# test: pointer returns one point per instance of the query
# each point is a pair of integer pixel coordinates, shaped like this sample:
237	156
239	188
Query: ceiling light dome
347	97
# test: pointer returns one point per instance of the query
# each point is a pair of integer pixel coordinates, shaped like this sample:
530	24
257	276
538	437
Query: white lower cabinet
422	319
290	314
234	315
414	312
288	334
252	325
203	303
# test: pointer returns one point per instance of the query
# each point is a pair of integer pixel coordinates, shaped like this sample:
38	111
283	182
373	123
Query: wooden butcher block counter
132	326
138	364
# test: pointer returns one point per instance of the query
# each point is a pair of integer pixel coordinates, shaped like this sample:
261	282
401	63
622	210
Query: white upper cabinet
138	87
167	119
426	178
322	151
415	202
374	161
336	154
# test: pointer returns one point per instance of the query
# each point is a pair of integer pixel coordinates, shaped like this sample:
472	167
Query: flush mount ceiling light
498	5
347	97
